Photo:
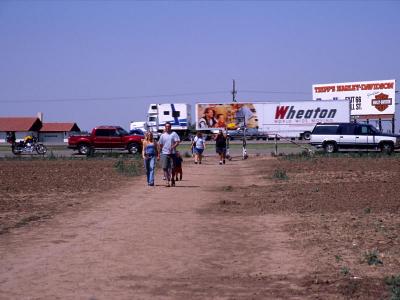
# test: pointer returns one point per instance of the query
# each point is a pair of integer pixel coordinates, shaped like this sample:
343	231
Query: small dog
178	166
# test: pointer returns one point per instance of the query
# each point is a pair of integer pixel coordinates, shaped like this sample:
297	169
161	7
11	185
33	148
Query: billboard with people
286	118
225	115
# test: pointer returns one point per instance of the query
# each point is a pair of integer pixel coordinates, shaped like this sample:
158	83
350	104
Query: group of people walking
166	151
199	145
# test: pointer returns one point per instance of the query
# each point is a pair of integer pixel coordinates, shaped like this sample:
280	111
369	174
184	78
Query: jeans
149	164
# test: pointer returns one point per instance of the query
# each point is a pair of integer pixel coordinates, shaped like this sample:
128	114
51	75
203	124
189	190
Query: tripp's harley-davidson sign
366	97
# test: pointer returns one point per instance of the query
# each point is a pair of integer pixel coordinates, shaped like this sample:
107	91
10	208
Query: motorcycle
29	146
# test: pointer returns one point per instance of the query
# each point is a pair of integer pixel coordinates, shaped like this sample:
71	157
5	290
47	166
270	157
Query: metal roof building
22	126
46	132
57	132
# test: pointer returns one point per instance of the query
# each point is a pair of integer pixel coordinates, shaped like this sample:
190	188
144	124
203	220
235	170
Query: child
178	166
220	121
198	145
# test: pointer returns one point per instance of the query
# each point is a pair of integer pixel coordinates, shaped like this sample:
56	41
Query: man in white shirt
168	142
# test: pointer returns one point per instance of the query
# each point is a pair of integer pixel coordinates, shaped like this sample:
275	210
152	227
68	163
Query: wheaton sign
288	112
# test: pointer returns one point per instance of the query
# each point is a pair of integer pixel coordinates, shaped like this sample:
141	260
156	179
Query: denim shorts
220	150
198	151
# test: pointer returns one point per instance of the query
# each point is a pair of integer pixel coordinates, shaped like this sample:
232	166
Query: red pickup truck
106	137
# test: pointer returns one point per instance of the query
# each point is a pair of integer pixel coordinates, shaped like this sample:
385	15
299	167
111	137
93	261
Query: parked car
336	136
251	133
106	137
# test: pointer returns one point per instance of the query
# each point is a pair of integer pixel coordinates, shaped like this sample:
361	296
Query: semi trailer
287	119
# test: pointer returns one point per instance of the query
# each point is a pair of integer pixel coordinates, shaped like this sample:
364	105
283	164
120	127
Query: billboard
372	99
279	116
225	115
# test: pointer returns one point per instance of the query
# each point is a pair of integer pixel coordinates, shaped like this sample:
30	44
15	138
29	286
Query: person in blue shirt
149	154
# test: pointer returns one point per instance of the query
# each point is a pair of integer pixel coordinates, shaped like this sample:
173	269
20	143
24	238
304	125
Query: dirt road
155	243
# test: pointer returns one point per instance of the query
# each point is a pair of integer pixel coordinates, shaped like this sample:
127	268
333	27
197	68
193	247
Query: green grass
304	155
51	155
394	284
128	167
280	174
361	154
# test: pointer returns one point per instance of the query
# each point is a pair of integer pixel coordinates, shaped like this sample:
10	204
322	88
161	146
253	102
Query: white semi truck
294	119
141	125
178	114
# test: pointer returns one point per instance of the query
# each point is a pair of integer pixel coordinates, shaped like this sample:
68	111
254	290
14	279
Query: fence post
276	144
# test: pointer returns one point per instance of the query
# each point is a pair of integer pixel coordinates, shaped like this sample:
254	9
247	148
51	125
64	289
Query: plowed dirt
264	228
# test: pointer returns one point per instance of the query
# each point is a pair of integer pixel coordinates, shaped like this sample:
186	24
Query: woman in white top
198	145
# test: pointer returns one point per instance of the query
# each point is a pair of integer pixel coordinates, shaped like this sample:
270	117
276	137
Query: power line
83	99
274	92
88	99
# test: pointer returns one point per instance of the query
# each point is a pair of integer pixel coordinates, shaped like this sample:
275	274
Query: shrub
394	283
372	257
280	174
228	188
51	156
345	271
338	257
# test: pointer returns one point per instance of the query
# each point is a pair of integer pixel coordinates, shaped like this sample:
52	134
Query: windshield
374	130
136	131
122	131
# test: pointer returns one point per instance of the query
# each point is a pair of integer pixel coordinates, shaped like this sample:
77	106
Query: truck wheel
83	149
330	147
387	148
307	135
133	148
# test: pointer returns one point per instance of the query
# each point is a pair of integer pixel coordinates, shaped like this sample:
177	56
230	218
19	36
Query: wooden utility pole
234	92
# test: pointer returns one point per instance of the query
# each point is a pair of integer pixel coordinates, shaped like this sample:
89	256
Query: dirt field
35	190
264	228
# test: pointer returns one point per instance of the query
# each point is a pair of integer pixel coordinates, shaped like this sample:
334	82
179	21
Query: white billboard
367	98
286	118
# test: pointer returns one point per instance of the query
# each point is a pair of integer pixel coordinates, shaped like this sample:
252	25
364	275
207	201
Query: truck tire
330	147
387	148
133	148
84	149
307	135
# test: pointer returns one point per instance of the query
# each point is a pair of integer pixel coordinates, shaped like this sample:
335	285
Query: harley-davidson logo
381	101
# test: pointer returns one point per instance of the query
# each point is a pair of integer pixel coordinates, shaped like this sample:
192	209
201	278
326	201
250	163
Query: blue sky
98	62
